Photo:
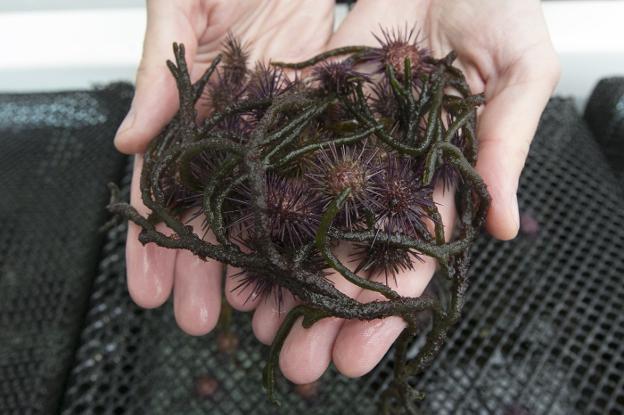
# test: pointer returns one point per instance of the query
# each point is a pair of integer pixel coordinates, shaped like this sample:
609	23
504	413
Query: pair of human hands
503	48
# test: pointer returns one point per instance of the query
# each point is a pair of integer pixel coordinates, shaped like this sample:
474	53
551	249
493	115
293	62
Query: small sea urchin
337	76
265	83
395	47
337	169
235	58
378	258
228	86
253	286
402	203
294	212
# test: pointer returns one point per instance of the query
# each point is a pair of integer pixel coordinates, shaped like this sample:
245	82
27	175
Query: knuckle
543	67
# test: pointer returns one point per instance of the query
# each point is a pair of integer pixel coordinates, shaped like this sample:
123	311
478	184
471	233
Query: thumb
155	98
506	128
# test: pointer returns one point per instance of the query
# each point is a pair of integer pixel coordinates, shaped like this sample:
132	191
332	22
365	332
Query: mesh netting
542	331
543	328
56	156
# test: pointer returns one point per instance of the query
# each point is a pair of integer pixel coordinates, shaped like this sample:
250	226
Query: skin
505	51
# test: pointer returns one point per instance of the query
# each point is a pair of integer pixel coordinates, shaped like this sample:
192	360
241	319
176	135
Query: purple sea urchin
248	169
293	212
229	85
338	169
383	102
337	76
256	286
383	258
402	204
235	59
395	47
265	83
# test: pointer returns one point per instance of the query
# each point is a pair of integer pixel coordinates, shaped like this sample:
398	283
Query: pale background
75	44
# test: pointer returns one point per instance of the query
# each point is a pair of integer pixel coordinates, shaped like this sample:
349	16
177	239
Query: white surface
69	49
18	5
589	38
71	38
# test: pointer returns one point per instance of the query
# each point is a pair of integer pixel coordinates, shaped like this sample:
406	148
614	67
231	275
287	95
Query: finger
270	315
241	296
361	345
155	98
149	267
196	290
306	353
506	127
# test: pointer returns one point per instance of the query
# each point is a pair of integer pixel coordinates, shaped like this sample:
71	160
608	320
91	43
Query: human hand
504	49
201	25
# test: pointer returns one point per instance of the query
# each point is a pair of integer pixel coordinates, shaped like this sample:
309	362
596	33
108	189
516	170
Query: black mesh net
543	328
542	331
56	156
